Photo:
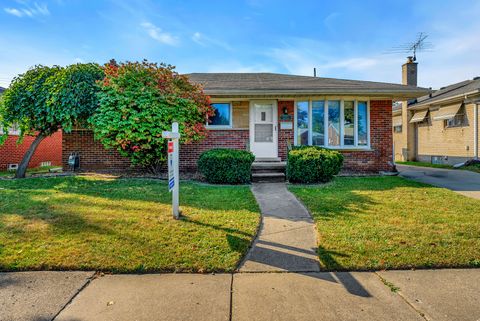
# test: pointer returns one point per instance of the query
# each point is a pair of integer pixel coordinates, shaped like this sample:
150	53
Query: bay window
332	123
349	123
362	123
302	123
318	123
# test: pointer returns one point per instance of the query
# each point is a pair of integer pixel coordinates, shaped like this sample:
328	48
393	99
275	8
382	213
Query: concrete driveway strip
316	296
287	238
443	295
461	181
152	297
39	296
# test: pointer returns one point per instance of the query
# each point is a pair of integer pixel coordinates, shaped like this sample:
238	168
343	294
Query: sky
342	39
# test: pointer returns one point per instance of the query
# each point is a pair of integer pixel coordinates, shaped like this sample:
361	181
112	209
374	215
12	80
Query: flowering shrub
139	100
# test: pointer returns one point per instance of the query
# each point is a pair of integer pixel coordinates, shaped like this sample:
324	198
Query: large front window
332	123
302	123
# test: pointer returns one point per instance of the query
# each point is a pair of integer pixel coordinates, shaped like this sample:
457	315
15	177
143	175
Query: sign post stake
173	167
176	173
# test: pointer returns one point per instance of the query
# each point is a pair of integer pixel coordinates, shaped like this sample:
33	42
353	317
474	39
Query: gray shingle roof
463	87
270	83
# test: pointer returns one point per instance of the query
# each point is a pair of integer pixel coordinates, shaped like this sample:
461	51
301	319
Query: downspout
475	130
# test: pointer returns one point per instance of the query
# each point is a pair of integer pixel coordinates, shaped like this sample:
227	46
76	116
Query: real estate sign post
173	170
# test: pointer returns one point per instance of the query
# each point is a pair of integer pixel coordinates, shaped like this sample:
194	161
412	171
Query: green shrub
312	164
226	166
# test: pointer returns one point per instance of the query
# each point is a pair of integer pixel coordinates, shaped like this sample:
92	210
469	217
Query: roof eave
400	94
445	100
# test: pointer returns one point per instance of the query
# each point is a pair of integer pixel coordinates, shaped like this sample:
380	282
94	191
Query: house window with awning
419	116
332	123
453	115
397	124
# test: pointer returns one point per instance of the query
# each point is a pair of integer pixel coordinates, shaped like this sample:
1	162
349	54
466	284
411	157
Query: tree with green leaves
47	99
139	100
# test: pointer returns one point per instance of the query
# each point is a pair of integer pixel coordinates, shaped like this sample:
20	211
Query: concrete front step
269	165
268	177
268	159
265	167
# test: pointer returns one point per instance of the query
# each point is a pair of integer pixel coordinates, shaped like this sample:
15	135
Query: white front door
263	128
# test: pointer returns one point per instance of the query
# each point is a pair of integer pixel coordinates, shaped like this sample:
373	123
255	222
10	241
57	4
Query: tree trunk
22	167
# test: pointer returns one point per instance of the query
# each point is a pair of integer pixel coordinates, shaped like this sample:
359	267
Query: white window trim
230	125
325	119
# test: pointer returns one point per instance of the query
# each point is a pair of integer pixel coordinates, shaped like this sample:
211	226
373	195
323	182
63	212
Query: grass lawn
392	223
122	225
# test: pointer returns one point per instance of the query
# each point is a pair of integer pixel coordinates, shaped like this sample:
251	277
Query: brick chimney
407	143
409	72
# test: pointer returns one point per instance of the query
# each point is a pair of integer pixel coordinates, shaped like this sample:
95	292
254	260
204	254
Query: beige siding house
442	127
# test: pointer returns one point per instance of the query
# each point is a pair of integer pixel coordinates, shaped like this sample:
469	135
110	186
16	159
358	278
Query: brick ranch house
264	112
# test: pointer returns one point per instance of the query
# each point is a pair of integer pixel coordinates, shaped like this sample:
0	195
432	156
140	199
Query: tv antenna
420	44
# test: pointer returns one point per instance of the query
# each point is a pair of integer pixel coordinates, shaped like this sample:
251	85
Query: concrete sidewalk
421	295
461	181
287	237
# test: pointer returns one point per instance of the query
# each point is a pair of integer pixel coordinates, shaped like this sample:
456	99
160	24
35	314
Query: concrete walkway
287	237
461	181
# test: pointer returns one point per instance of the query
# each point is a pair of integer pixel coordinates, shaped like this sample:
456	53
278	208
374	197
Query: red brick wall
49	150
236	139
94	157
285	135
380	156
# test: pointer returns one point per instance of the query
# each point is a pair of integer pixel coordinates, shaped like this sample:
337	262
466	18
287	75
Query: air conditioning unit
12	167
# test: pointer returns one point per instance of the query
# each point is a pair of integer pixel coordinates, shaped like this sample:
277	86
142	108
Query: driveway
463	182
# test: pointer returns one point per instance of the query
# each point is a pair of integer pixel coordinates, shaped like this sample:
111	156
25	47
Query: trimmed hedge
312	164
226	166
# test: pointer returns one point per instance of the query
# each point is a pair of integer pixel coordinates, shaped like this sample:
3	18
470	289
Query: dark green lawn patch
392	223
122	225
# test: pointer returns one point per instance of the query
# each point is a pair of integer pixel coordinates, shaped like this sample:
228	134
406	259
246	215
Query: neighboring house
441	127
266	112
49	152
